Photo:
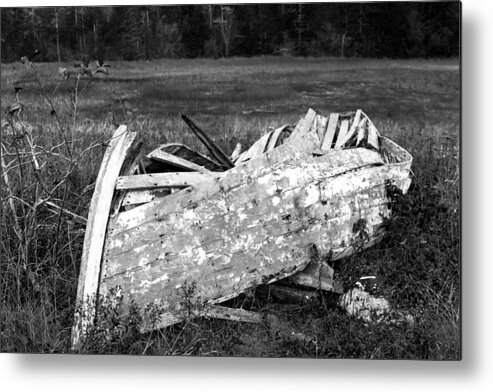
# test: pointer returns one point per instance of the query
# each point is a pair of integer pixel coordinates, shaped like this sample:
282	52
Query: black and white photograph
258	180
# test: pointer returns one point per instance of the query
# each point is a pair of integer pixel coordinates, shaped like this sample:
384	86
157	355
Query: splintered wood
186	238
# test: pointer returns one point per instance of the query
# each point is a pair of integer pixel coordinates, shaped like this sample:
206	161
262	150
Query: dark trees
385	29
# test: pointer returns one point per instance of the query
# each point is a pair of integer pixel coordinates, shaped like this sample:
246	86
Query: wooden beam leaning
178	162
160	180
373	136
330	132
341	138
362	132
303	127
214	149
355	124
236	153
185	152
257	149
97	221
273	140
321	126
352	130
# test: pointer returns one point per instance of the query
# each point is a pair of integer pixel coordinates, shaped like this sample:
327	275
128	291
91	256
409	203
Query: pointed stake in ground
215	150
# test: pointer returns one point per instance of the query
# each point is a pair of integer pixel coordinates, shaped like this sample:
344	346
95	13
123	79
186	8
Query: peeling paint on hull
253	224
255	233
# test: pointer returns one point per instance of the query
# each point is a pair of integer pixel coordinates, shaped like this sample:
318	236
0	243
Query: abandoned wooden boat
186	232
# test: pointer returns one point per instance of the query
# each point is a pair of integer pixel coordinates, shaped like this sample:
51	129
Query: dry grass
414	102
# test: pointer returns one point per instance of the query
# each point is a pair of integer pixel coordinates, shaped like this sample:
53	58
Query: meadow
53	147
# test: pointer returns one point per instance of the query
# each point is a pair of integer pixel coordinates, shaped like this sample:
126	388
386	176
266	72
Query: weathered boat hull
254	224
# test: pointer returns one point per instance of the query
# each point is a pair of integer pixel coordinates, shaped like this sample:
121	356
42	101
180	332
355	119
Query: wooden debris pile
338	131
187	232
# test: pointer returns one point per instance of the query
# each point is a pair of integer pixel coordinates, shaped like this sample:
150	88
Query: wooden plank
303	128
239	315
317	275
356	121
311	281
285	133
143	196
131	165
182	151
160	180
275	136
257	149
320	125
373	136
175	161
350	139
97	220
291	295
132	198
214	149
403	158
362	132
233	314
134	155
330	132
236	152
220	312
302	139
341	138
352	130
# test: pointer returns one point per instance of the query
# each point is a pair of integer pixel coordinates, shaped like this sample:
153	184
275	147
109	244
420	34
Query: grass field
65	124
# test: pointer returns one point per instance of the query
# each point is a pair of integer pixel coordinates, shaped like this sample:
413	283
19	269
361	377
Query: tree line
384	29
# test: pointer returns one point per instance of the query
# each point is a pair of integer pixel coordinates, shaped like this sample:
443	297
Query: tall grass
416	103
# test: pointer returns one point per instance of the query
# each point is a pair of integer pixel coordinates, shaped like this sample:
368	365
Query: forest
376	30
